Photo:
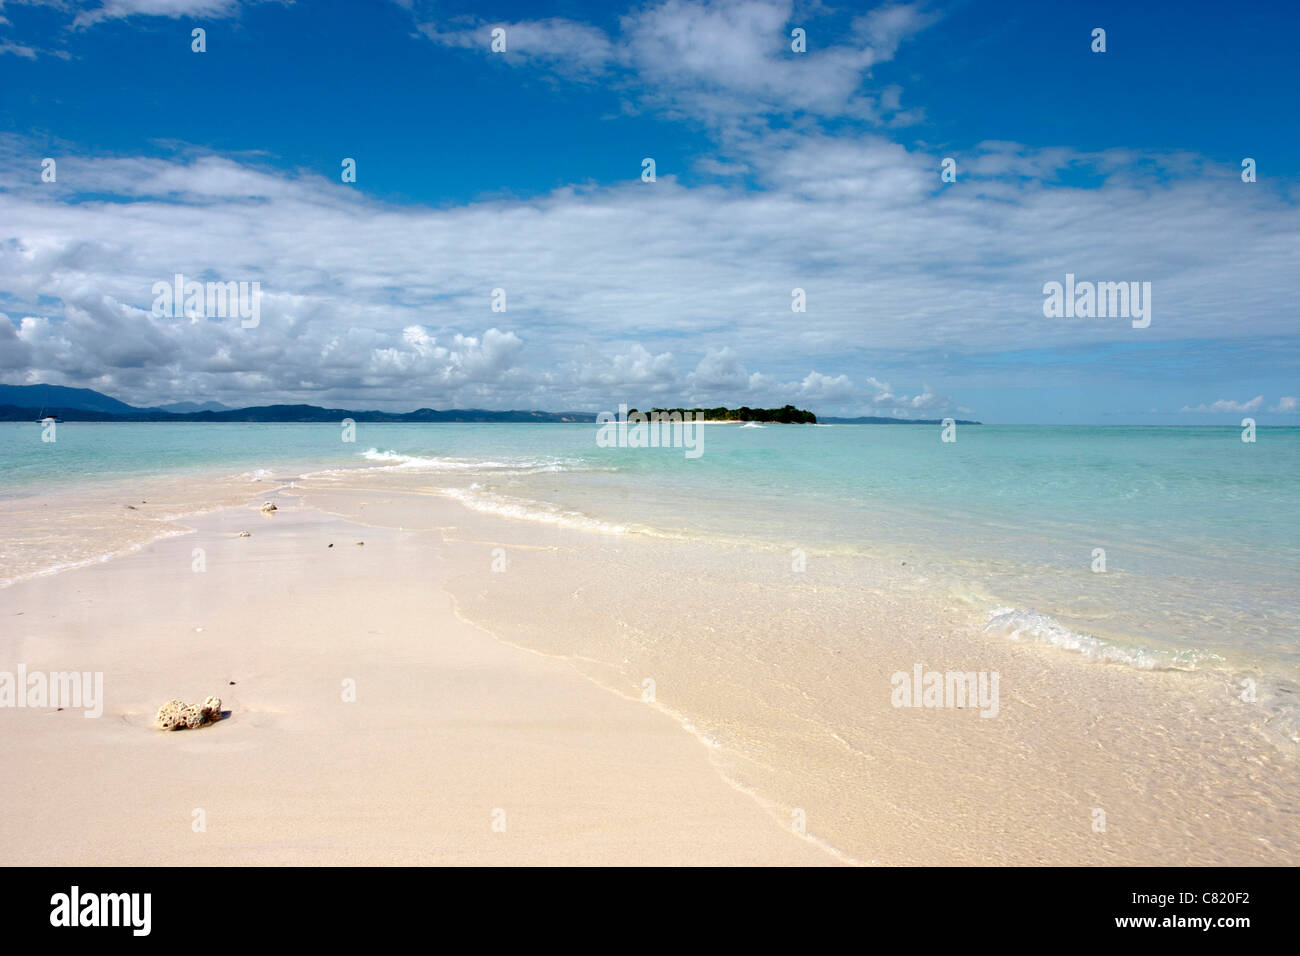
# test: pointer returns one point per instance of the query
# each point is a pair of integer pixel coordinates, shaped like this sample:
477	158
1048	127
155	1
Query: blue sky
775	170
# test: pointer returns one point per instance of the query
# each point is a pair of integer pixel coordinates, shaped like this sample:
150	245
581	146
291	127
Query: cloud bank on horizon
572	280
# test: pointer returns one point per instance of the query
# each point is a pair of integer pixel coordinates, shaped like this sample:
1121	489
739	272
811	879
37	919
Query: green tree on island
785	415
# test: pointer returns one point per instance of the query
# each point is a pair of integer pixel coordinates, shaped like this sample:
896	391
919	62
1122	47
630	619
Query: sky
775	170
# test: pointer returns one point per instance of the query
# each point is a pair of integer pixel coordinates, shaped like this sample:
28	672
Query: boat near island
42	418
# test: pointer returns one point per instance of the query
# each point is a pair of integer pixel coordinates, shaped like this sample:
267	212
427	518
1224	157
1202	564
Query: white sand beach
449	726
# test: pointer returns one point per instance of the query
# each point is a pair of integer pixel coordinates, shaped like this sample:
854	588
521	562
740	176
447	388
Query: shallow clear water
1199	529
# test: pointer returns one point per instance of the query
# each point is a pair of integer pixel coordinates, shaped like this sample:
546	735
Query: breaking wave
519	466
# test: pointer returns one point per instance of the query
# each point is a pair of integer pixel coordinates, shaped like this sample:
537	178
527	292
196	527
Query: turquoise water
90	452
1200	530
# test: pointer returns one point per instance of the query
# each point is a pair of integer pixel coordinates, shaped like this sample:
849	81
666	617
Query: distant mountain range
88	400
24	403
63	398
184	408
20	403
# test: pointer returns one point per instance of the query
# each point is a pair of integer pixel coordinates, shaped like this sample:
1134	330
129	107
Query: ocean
1162	547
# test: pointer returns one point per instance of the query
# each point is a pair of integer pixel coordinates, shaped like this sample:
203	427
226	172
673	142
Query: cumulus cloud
885	401
636	377
634	369
717	61
653	292
1225	406
720	370
15	354
817	387
465	358
887	262
1287	405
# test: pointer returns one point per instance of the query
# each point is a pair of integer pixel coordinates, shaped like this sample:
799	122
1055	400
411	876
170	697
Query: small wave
1030	627
99	558
1279	701
395	459
751	425
522	466
476	499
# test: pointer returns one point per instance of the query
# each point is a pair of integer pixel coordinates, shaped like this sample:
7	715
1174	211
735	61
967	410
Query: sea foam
1031	627
477	499
519	466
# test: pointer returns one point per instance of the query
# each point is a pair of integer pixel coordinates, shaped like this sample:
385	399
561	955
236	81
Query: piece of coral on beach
178	715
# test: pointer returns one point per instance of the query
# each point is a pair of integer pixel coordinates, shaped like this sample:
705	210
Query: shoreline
161	516
789	727
448	724
175	499
821	754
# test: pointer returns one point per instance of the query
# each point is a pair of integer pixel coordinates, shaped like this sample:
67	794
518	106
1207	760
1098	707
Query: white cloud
17	49
465	359
889	262
96	12
825	388
1224	406
1287	405
885	401
720	371
718	61
635	368
569	48
720	377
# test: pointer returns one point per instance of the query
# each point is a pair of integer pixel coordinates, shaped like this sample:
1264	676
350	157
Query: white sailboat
42	418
